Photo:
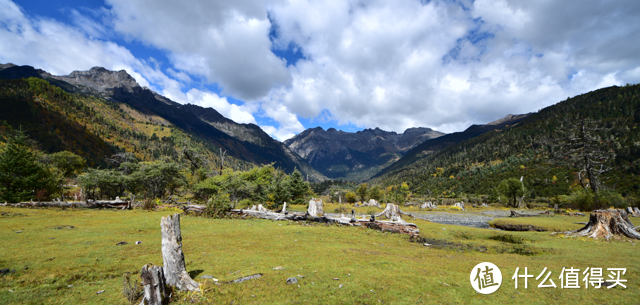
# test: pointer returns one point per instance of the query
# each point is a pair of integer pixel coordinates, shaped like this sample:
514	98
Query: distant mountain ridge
355	156
427	148
243	141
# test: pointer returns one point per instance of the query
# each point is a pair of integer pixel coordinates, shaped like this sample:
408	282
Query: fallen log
607	224
90	204
198	209
390	226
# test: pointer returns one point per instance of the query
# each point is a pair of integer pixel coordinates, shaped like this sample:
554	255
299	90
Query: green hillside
531	149
95	128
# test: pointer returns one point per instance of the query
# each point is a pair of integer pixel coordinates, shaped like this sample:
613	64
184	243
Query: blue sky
291	65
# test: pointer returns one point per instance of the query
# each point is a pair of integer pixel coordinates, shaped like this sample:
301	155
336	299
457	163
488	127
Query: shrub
218	206
350	197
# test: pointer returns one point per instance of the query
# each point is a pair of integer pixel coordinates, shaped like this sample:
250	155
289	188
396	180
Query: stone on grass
292	280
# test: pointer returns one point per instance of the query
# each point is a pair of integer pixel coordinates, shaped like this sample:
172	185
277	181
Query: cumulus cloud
225	41
447	65
393	65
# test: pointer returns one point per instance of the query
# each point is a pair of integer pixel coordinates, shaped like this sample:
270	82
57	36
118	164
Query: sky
291	65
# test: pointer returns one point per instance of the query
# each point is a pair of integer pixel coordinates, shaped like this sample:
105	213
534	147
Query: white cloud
377	63
225	41
239	114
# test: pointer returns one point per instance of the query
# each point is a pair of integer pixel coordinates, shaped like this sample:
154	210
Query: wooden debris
156	291
245	278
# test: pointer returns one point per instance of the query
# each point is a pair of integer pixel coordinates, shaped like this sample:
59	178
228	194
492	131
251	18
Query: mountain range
319	154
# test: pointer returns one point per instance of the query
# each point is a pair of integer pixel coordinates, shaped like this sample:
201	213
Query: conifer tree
21	175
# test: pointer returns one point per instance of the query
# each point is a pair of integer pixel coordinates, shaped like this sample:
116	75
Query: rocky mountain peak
100	79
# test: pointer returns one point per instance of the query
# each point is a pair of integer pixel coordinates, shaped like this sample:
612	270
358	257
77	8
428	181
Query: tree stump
390	211
607	223
175	271
315	207
156	291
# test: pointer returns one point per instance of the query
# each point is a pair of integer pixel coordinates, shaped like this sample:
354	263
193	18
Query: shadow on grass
194	273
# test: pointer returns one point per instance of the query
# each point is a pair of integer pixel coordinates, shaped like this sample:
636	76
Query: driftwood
370	203
633	211
607	223
175	271
428	205
400	226
156	291
198	209
90	204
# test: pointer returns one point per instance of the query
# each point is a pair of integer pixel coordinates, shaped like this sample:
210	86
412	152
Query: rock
292	280
340	286
6	271
278	268
206	277
100	292
301	276
336	279
69	286
121	243
138	242
18	231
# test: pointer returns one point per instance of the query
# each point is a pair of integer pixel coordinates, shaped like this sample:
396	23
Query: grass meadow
67	256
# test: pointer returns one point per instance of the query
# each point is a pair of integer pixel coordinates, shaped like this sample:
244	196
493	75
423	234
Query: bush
350	197
581	199
218	206
610	198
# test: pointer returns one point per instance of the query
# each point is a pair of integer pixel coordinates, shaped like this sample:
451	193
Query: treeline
29	174
532	150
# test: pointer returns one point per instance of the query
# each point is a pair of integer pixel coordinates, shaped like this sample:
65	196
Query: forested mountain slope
534	149
440	143
118	90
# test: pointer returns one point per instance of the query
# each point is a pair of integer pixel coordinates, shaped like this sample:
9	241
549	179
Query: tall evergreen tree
22	177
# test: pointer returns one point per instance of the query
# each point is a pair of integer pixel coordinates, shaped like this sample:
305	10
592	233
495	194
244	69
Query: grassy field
373	267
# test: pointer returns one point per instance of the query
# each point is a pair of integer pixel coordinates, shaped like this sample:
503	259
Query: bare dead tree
578	144
222	158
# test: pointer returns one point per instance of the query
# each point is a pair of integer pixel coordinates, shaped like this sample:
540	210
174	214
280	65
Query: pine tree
21	175
297	187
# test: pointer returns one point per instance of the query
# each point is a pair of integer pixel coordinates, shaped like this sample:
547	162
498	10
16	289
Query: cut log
607	224
156	291
315	207
175	271
460	205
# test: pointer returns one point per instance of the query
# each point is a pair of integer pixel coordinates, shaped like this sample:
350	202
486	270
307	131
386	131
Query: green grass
397	270
559	223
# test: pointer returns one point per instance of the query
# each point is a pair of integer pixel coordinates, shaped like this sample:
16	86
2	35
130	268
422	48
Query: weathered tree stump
607	223
156	291
175	271
315	207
